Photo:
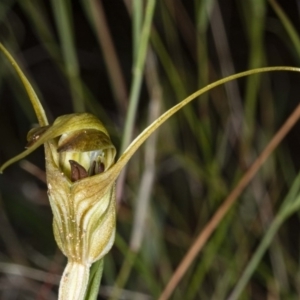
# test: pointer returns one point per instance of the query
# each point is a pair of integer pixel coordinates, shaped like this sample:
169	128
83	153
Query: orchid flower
81	173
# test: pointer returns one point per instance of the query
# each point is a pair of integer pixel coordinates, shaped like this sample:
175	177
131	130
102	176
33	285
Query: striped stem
74	281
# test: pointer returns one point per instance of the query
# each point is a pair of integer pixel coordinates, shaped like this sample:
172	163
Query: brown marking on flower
34	134
77	171
96	168
100	168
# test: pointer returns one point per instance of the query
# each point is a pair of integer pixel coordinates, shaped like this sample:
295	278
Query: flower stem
74	282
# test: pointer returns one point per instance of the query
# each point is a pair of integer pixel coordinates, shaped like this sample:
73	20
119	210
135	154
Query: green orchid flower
81	187
81	173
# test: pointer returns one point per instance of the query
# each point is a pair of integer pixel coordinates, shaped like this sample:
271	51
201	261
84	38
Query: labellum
83	150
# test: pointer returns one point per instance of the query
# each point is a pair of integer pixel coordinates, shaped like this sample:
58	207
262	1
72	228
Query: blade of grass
227	67
264	204
290	29
36	14
207	259
137	23
172	72
184	24
202	15
138	264
139	56
94	280
95	13
63	16
138	68
255	31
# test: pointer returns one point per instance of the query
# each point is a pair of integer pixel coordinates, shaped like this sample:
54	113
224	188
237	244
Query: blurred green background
84	56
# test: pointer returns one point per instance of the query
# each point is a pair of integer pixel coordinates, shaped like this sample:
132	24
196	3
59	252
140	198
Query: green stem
138	74
63	14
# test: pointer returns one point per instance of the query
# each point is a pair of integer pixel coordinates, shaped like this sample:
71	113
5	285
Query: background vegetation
87	56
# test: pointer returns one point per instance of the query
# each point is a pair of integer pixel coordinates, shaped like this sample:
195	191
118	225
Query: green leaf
94	280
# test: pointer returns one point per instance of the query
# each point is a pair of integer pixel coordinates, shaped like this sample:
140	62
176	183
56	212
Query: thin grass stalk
202	10
179	89
137	24
208	256
167	64
138	68
36	15
139	55
227	68
63	15
263	201
184	23
171	38
172	54
96	15
290	29
138	265
202	15
123	275
256	59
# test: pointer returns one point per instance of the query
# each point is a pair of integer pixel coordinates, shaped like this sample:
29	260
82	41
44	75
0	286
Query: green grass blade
290	29
138	74
94	280
63	15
